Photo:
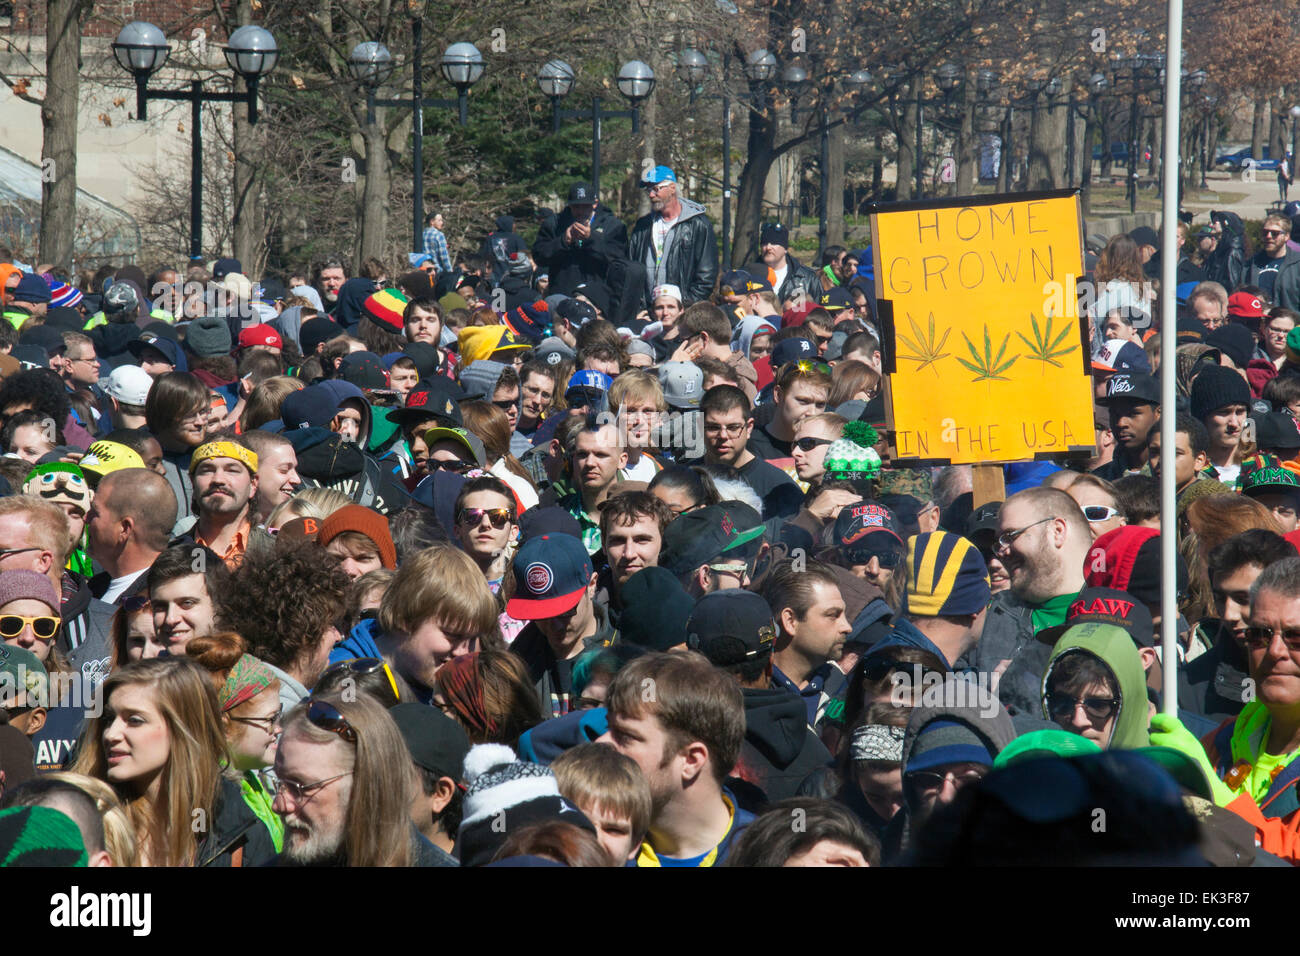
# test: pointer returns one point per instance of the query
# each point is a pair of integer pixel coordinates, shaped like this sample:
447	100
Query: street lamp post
371	65
635	81
1295	140
141	49
692	67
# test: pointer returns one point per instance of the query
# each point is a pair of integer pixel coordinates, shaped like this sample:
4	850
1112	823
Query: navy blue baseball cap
792	350
552	573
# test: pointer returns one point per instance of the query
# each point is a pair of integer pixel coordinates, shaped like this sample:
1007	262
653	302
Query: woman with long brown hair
491	425
158	741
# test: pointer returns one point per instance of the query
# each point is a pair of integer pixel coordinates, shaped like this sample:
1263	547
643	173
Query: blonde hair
264	401
636	385
119	836
441	582
183	694
595	776
48	523
318	503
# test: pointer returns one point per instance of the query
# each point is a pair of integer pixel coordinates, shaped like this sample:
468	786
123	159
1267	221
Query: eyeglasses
447	464
8	551
1095	513
809	443
327	717
265	724
678	514
11	625
717	428
887	559
1097	708
366	665
929	781
1006	538
1259	637
500	517
302	792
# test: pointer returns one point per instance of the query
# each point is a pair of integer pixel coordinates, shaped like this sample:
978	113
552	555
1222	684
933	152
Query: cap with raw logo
1106	606
683	384
1132	387
552	573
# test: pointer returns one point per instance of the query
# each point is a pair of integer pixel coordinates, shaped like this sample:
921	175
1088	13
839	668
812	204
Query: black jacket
1227	264
780	749
1217	681
799	278
692	260
587	261
235	830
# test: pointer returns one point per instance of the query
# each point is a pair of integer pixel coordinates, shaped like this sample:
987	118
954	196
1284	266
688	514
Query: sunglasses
1007	538
1271	232
11	625
447	464
500	517
887	559
1095	513
927	780
8	551
1097	708
367	665
1259	637
327	717
505	406
808	444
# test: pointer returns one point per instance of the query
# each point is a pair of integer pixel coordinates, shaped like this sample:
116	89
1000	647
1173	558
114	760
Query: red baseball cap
260	335
1245	305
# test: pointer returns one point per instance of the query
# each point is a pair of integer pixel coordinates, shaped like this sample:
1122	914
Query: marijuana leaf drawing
926	350
988	367
1045	348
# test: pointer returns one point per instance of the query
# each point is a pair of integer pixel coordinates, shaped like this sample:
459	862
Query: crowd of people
584	554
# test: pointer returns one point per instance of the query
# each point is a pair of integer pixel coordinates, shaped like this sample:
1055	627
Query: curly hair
38	389
282	602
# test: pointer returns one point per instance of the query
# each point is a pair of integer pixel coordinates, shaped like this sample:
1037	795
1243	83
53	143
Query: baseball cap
583	383
733	283
261	334
700	536
682	383
25	671
1270	480
576	312
984	518
166	346
433	397
436	742
105	457
860	519
660	174
792	350
946	575
1276	430
129	384
1245	305
554	350
552	573
548	519
580	194
365	370
1106	606
731	627
1121	355
835	300
466	439
1135	387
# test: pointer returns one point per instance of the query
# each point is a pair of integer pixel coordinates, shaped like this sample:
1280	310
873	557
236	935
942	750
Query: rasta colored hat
385	309
248	678
224	449
39	836
946	576
851	457
364	521
1269	480
552	573
60	483
105	457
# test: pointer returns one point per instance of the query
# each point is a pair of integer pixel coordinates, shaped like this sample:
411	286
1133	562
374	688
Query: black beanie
1216	387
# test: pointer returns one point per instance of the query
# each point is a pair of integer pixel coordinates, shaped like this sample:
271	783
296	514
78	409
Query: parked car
1236	161
1118	152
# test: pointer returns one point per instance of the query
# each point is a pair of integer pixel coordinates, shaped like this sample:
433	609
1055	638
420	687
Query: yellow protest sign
983	361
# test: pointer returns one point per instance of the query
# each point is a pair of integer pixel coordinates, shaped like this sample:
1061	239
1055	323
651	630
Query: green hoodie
1115	648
